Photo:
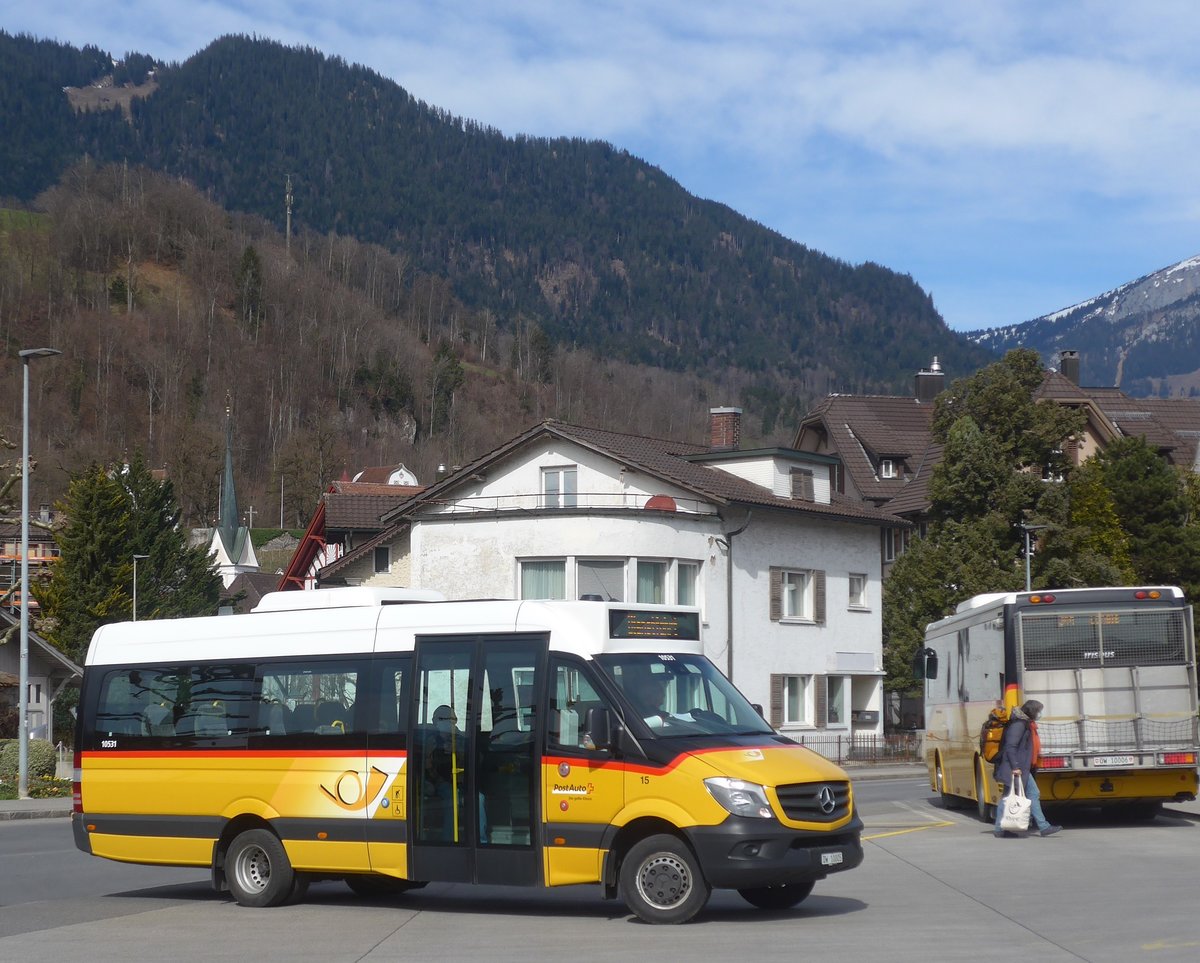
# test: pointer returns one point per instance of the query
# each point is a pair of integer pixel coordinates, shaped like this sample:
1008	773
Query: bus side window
571	695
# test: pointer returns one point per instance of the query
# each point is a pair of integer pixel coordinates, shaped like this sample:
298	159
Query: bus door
473	759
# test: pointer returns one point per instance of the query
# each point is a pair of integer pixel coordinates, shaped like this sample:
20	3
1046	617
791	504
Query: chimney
725	429
930	382
1068	366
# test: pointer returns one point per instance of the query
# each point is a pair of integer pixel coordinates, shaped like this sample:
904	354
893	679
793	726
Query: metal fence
863	747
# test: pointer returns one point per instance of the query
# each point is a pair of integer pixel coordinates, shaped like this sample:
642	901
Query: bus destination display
632	624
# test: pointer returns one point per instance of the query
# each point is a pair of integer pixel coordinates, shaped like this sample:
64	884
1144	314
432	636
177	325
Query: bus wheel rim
664	881
253	869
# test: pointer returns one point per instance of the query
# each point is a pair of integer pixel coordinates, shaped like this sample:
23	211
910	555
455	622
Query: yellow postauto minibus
390	740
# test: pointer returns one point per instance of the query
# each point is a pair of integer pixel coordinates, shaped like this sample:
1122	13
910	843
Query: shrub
43	760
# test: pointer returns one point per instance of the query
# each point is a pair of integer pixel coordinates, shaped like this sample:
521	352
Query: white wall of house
848	645
472	545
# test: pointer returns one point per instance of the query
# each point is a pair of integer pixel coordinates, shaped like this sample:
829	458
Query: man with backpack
1018	756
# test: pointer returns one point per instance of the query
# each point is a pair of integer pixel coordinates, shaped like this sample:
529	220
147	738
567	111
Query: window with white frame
858	590
887	468
895	541
797	595
687	577
791	702
543	579
560	487
651	581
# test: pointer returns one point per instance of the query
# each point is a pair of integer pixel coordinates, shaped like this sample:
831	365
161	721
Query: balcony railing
577	502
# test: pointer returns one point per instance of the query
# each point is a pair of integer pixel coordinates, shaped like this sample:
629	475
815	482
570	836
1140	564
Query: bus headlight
740	798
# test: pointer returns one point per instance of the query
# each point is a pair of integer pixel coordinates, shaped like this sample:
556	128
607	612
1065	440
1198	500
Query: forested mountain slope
598	248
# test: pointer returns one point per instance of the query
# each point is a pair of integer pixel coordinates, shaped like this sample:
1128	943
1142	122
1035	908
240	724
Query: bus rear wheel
780	897
661	881
257	869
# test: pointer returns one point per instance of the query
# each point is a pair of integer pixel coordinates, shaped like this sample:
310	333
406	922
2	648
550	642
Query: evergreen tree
112	515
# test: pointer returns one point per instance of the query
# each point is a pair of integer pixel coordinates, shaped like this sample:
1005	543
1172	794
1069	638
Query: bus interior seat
205	720
303	718
330	719
158	720
271	719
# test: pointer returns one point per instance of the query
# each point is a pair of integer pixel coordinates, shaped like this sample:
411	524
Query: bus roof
978	603
583	628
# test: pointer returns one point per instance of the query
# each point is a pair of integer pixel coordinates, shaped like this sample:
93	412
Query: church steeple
229	523
231	545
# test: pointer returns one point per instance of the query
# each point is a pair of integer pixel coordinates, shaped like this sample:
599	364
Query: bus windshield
682	695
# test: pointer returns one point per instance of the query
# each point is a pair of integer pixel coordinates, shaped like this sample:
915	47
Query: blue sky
1013	157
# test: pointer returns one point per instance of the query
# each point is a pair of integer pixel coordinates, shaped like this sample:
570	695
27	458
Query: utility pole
287	243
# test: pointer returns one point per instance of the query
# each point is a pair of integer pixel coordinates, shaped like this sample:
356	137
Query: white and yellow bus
1115	669
388	740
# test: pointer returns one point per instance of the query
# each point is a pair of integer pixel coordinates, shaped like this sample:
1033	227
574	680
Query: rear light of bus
1041	599
1052	762
1177	759
1144	594
77	784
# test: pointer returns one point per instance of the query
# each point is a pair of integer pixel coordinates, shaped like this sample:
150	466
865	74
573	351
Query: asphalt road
935	885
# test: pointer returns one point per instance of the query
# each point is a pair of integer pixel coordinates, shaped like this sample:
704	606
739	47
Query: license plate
1114	761
830	859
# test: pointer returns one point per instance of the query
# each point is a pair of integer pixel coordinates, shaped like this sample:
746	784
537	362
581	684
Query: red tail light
1177	758
1041	599
1144	595
1052	762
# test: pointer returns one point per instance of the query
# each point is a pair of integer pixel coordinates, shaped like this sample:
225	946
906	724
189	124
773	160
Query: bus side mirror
600	727
757	707
925	663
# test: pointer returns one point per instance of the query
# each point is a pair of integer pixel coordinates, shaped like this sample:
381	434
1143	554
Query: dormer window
887	468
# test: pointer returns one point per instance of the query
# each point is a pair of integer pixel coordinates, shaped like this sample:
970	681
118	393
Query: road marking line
911	829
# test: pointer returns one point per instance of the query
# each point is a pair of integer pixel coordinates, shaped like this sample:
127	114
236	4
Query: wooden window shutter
819	597
776	594
776	719
820	700
802	484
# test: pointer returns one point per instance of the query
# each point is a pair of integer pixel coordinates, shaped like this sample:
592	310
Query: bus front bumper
744	853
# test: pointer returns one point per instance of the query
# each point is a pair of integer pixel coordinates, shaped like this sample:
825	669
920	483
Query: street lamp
26	356
1027	529
135	561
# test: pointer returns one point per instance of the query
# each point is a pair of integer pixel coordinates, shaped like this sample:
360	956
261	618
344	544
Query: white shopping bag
1014	816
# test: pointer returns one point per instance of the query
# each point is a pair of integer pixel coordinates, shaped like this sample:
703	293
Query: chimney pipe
1068	366
725	429
929	382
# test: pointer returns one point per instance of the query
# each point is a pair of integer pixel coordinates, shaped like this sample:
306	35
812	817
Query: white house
785	571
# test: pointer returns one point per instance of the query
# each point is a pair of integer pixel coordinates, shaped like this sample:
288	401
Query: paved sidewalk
34	808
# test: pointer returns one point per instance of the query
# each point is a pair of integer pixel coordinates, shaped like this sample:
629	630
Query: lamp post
1027	529
135	561
26	356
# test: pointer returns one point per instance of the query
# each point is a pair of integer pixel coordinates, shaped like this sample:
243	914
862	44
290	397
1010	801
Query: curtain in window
543	580
686	589
651	582
603	577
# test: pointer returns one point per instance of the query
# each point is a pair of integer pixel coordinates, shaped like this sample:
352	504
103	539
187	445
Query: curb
35	812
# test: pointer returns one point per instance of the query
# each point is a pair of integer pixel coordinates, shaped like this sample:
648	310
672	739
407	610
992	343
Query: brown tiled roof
668	460
361	512
865	428
914	499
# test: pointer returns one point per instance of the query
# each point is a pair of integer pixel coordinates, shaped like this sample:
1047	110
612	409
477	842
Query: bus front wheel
257	869
661	881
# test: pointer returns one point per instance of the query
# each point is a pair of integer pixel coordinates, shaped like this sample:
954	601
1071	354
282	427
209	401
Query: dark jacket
1016	749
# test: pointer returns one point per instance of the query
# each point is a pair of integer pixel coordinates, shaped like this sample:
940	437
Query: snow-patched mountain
1143	337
